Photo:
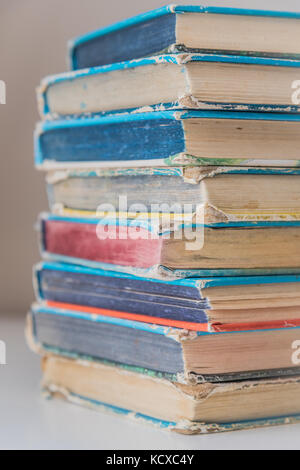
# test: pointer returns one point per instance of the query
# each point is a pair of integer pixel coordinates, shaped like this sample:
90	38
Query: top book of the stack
182	28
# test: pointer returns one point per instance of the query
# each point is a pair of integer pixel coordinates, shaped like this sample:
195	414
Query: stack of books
170	283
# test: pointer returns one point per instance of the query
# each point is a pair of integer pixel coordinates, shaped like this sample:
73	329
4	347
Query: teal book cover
174	81
170	138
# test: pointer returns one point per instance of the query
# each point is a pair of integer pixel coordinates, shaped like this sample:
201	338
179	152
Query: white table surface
27	421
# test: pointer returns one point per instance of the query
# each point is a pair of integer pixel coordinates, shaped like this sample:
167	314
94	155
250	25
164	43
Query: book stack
170	283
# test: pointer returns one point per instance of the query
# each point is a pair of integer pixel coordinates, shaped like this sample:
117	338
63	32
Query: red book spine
126	246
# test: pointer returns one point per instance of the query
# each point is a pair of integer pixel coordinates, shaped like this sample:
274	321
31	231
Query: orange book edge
204	327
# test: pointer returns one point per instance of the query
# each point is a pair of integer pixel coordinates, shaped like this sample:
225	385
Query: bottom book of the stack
185	381
184	408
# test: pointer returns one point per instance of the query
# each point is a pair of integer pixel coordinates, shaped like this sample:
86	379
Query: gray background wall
33	36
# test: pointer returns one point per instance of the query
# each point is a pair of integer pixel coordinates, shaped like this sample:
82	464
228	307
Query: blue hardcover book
199	304
170	139
174	247
182	81
187	409
176	28
180	354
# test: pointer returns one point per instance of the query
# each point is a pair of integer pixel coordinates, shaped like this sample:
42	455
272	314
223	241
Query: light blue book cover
96	90
164	138
194	283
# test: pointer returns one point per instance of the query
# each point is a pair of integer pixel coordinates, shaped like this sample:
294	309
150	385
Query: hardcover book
176	28
187	409
176	249
223	193
170	139
186	355
186	81
169	289
215	304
